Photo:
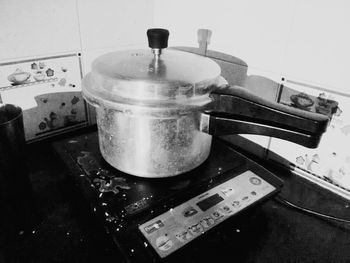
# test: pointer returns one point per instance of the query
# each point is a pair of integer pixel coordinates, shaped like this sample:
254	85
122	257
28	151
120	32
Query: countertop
53	222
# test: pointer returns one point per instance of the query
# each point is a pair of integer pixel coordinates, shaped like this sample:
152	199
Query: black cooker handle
237	111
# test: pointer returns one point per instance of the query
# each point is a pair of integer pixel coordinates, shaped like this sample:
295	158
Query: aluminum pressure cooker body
157	110
148	107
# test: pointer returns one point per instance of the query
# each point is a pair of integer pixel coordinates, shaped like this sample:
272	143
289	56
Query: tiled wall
47	27
298	41
254	30
302	40
38	30
111	25
330	161
49	94
317	49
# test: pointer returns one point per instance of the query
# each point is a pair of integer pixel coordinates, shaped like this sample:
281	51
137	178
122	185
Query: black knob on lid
157	38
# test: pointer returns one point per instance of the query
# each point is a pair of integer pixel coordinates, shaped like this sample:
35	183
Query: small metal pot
12	139
158	110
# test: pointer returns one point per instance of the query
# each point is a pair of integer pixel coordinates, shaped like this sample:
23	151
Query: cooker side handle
238	111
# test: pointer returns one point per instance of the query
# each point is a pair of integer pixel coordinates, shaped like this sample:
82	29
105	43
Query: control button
153	227
184	236
164	243
207	222
253	193
216	215
226	209
227	192
255	180
236	204
196	229
189	211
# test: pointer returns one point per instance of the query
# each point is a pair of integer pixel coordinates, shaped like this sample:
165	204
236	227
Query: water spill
87	162
105	179
111	219
111	184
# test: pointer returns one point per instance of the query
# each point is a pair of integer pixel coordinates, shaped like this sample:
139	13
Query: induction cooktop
167	219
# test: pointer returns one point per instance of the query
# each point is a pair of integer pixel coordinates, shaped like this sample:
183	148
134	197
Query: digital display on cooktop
209	202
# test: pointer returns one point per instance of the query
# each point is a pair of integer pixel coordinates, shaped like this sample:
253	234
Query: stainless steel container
16	197
12	139
158	109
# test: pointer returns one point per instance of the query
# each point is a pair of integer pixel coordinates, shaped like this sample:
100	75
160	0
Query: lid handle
157	38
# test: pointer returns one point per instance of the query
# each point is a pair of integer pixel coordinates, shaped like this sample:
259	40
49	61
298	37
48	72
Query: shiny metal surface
148	104
148	109
12	138
142	76
148	146
156	111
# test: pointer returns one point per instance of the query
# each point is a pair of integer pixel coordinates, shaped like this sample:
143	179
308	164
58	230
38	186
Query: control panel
180	225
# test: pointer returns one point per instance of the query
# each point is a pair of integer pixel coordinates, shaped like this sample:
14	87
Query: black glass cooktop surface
130	208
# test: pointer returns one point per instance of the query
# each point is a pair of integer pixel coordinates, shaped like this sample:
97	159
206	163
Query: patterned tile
330	161
49	95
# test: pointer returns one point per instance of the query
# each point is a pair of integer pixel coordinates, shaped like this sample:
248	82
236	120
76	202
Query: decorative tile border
328	164
48	89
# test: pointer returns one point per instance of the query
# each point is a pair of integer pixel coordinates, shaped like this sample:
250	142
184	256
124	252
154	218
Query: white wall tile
37	27
318	49
264	84
50	104
331	159
90	55
255	31
109	23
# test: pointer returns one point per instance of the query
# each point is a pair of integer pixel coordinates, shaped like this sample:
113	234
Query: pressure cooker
158	109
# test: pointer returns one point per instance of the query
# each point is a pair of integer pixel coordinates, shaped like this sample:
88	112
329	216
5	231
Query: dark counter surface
57	225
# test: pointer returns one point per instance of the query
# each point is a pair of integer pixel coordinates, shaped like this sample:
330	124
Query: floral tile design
49	92
330	161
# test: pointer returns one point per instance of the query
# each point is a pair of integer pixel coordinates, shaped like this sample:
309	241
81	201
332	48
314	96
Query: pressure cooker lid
147	75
